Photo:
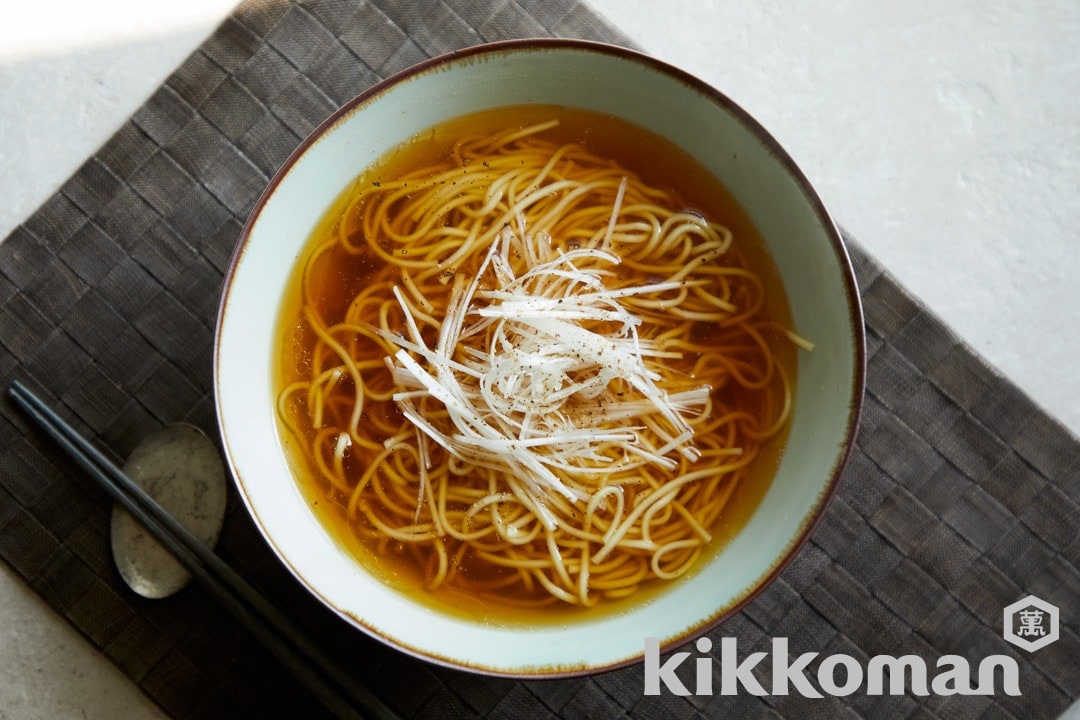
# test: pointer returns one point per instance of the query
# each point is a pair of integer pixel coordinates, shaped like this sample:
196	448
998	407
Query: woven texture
961	496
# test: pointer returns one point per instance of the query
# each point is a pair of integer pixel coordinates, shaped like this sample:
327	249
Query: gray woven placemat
960	499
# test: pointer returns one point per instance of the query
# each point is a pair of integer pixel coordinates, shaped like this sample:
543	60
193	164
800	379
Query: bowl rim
837	243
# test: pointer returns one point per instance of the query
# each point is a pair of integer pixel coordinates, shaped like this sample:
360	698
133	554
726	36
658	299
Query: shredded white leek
564	374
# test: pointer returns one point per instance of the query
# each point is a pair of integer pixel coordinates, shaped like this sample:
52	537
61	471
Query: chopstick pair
337	691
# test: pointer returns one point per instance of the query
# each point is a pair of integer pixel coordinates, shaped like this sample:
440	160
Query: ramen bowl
797	232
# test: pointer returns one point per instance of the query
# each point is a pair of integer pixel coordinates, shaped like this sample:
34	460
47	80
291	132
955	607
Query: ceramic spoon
182	470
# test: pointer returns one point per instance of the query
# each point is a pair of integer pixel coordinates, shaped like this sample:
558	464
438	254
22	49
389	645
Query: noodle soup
534	363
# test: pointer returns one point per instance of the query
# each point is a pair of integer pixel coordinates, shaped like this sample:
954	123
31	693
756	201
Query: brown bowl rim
855	317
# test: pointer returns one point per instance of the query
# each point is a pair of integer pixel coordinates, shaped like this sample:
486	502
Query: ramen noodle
518	371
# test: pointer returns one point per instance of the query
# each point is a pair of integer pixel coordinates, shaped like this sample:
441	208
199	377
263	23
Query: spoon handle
282	637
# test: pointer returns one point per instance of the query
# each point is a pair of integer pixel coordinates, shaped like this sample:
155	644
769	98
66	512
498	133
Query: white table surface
944	136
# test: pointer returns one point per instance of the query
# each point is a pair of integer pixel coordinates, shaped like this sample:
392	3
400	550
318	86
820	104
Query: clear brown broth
659	163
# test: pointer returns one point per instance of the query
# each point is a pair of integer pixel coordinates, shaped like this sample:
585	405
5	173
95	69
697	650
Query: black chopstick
340	693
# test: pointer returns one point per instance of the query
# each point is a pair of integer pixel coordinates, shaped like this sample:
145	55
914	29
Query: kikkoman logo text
839	675
1030	623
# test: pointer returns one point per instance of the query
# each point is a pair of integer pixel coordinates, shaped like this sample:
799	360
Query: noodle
547	383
